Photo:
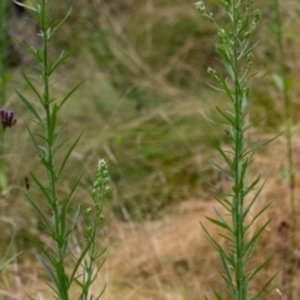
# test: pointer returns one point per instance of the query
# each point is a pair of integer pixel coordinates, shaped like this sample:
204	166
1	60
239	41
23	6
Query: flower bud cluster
102	178
213	74
199	5
100	186
253	25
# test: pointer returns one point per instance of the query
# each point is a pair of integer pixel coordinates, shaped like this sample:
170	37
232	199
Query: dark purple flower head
7	118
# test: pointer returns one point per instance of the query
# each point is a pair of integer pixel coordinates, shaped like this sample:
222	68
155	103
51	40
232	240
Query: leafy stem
234	47
62	225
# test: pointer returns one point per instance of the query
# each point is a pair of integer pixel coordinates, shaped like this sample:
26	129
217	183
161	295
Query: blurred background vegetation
144	101
145	104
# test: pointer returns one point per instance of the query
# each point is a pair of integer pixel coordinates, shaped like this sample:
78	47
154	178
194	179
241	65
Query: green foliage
234	45
61	226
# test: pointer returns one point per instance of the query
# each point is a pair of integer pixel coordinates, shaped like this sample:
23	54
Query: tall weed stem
61	227
234	46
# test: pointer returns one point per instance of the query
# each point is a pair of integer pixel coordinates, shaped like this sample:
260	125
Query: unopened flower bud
199	5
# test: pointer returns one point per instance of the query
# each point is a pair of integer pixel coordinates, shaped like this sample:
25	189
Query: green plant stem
288	136
58	223
238	199
62	225
234	46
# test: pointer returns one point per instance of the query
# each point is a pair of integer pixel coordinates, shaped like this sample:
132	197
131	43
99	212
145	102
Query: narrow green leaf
227	90
71	228
253	124
253	239
259	268
215	88
251	186
39	212
221	170
29	7
68	155
75	185
222	220
226	116
228	161
62	58
227	276
49	272
45	251
33	51
259	213
59	24
7	261
218	296
52	124
213	242
29	106
246	211
285	174
101	293
43	189
224	202
70	93
259	145
279	81
80	259
218	223
208	182
32	137
265	290
33	88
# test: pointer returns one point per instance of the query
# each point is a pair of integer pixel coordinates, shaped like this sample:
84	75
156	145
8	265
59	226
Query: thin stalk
58	234
288	136
238	176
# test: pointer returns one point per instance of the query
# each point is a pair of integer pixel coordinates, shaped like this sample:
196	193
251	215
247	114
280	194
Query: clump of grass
234	45
56	255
